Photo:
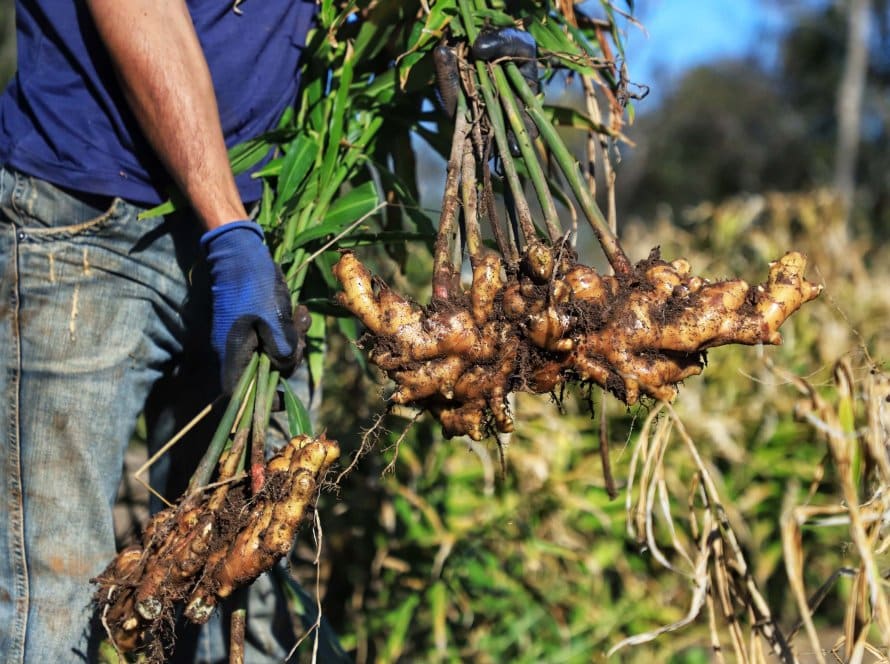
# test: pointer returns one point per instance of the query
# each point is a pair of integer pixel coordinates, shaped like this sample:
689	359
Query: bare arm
166	81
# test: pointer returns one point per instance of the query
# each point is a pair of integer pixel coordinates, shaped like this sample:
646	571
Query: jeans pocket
42	211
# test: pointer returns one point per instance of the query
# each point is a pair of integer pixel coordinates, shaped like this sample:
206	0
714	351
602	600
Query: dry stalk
853	450
719	573
443	270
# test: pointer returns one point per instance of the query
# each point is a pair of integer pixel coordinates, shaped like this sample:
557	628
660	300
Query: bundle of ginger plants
219	536
535	317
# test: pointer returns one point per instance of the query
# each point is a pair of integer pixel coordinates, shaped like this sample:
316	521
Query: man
114	103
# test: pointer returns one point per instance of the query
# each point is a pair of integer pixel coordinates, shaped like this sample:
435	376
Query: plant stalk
238	624
208	462
470	200
569	166
242	433
527	149
258	442
443	270
496	119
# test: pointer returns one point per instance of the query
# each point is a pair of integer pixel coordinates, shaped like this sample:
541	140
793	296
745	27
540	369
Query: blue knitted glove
251	303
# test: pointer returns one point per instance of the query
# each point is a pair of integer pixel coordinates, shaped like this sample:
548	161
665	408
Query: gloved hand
251	303
510	43
516	45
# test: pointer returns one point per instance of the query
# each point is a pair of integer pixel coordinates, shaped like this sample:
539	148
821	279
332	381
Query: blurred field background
452	556
448	551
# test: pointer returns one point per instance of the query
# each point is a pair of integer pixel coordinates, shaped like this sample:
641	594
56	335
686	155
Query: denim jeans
97	318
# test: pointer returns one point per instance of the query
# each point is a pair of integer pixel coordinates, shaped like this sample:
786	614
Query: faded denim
96	320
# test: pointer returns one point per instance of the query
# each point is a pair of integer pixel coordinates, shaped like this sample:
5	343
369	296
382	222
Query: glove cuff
212	234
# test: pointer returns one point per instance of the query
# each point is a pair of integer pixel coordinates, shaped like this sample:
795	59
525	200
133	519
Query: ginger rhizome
548	320
535	318
197	552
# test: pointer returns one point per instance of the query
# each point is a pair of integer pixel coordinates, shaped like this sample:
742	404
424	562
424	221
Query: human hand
251	303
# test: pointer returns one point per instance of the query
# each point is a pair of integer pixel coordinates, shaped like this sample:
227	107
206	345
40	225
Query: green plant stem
523	214
569	166
258	441
535	172
274	378
296	274
208	462
467	11
495	117
470	197
242	433
295	224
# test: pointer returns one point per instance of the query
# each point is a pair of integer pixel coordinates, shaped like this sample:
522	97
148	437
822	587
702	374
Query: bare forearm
165	78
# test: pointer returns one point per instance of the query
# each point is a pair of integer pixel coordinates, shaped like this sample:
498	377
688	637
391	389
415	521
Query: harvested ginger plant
534	317
547	320
199	551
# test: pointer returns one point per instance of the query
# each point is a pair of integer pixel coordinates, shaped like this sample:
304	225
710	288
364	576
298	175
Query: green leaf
298	420
341	103
349	328
324	263
313	103
271	169
483	17
422	38
373	36
567	117
399	622
438	599
376	92
326	13
265	218
384	237
613	27
591	48
550	37
315	348
248	154
298	159
167	207
353	205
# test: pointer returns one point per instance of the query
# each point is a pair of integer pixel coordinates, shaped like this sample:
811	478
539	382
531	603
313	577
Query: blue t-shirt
63	117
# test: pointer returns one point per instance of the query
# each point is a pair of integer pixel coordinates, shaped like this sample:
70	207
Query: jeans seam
17	195
16	521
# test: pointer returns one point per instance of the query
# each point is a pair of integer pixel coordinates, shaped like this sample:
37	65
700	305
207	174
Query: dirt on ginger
549	320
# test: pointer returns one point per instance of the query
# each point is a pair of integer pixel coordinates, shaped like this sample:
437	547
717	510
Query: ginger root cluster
550	320
199	551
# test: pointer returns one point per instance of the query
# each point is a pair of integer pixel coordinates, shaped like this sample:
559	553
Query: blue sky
680	34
